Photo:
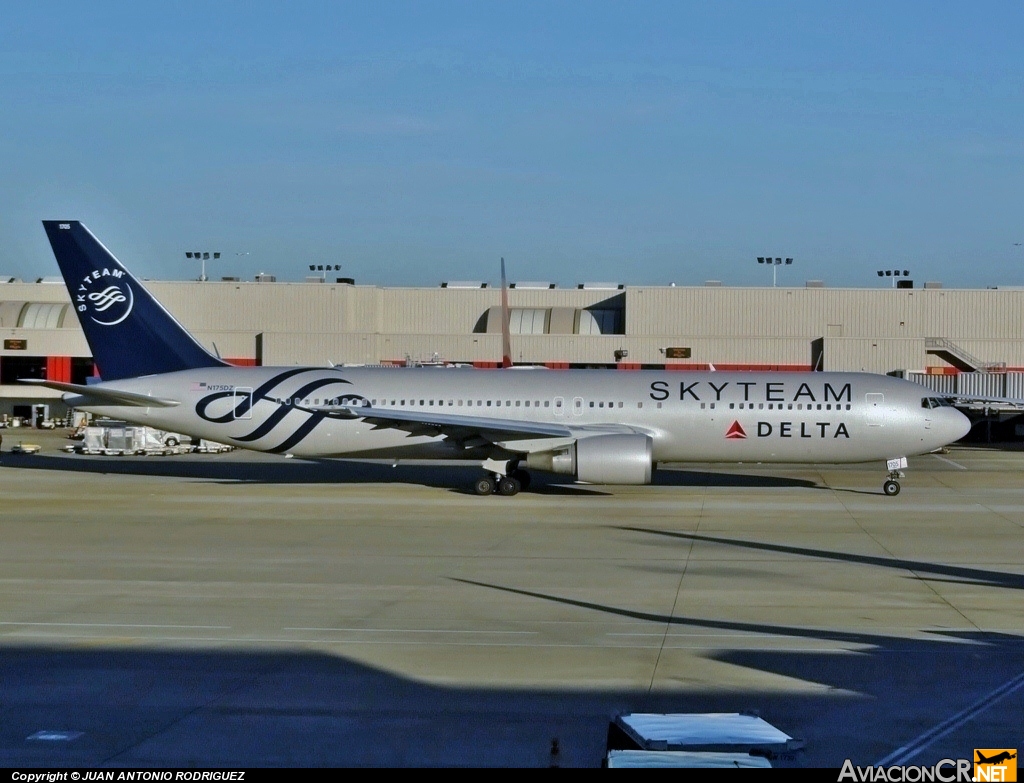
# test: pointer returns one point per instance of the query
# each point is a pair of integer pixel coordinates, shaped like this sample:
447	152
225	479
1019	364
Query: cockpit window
934	402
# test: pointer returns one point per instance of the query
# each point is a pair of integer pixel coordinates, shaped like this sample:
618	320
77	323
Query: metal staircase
958	357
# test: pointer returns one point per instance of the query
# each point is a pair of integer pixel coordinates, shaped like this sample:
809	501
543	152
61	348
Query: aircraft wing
513	434
102	395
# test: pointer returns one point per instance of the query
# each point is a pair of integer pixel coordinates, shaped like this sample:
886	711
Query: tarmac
243	610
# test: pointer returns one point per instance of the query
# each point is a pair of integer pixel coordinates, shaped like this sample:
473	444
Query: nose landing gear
891	487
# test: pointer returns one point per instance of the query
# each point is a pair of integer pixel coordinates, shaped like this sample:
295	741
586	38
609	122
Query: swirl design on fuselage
246	401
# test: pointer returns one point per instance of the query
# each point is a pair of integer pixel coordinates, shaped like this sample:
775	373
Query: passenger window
732	405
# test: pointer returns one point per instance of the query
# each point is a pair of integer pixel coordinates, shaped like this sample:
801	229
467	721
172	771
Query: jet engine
601	459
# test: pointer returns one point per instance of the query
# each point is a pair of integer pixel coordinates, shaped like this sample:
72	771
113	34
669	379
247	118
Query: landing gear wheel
891	488
485	485
508	486
523	478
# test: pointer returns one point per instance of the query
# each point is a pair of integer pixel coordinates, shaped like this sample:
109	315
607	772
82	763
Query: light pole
323	269
893	273
203	256
775	263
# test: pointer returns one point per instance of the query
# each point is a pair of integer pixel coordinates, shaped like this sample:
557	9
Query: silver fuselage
690	416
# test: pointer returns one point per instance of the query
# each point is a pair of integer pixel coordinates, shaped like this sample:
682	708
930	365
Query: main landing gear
891	487
506	480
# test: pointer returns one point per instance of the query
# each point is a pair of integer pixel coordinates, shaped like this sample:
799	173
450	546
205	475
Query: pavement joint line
120	625
950	462
926	581
412	630
679	591
247	682
421	643
925	740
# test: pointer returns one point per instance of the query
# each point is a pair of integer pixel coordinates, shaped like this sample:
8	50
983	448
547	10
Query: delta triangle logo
735	432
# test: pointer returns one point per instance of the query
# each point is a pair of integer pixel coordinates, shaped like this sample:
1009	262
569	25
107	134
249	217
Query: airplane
597	426
1004	756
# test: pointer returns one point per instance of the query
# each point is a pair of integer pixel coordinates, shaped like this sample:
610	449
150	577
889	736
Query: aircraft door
874	409
559	406
577	406
243	402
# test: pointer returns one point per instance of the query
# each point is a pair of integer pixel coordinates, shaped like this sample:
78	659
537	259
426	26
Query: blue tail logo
129	332
113	304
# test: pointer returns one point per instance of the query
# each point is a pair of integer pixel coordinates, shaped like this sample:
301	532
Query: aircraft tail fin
129	332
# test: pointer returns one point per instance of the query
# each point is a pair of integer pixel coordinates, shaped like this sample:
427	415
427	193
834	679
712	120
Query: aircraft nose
956	424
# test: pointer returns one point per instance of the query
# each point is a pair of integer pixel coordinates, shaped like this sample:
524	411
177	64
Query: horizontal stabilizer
104	395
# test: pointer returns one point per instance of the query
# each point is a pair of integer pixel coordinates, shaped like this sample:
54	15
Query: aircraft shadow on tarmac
681	477
457	477
184	707
917	568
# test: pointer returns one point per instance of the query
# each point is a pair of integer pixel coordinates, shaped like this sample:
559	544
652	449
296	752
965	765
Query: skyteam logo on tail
105	297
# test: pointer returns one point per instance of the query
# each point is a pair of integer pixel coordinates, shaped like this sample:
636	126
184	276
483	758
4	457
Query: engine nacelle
601	459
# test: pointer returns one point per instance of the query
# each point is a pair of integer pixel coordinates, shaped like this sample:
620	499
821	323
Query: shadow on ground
934	572
263	469
186	708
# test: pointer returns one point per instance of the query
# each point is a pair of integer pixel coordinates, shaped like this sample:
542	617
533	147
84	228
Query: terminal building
964	341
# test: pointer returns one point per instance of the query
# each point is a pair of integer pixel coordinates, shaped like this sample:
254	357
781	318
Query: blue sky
411	143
